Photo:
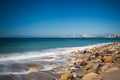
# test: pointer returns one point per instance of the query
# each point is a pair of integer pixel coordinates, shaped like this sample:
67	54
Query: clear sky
36	18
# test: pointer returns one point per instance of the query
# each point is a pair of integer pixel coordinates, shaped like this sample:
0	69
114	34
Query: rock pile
97	61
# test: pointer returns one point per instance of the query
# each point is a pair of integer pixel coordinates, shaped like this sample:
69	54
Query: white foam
22	56
37	54
51	55
7	73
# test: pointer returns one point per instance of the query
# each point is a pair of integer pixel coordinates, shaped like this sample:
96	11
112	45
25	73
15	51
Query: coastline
55	51
59	65
93	68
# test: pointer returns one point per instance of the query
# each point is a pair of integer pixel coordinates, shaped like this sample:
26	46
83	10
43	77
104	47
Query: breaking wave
18	63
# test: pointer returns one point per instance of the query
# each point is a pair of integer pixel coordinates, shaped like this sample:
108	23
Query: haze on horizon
36	18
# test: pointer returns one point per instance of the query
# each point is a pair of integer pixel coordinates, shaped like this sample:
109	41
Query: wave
18	63
39	55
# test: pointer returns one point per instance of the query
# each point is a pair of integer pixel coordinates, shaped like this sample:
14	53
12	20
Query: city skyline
46	18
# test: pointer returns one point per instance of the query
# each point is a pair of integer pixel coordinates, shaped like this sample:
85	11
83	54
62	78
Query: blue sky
36	18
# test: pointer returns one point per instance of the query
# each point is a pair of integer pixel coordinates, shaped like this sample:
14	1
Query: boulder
67	59
68	76
75	74
79	60
98	59
88	66
34	68
59	71
75	65
73	53
85	59
79	52
73	60
90	71
101	54
83	63
90	76
116	58
68	67
108	59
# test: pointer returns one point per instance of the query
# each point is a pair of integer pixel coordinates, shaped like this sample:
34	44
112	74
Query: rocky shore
100	63
96	63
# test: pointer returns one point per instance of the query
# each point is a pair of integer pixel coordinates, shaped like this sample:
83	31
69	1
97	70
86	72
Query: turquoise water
13	45
41	51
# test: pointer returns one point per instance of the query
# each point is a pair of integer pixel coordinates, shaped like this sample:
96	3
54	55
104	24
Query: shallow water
16	55
18	63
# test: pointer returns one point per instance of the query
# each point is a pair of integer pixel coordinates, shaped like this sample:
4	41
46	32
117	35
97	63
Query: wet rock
39	76
108	59
83	63
116	57
79	60
68	76
79	52
85	59
99	59
96	55
93	57
59	71
94	66
84	51
75	65
34	68
101	54
75	74
98	68
73	60
73	53
92	50
89	65
90	71
67	59
68	67
7	77
90	76
76	53
108	52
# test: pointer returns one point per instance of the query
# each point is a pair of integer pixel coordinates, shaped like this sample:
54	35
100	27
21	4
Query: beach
103	64
59	39
97	62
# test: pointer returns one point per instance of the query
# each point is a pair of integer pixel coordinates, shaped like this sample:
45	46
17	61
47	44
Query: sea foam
42	58
35	55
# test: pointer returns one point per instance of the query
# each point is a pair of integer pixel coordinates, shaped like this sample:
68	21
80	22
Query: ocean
16	54
20	45
39	45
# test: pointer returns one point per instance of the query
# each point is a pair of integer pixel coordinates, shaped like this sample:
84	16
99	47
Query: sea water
17	53
43	46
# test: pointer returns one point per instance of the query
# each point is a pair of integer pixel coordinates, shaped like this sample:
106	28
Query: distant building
113	36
